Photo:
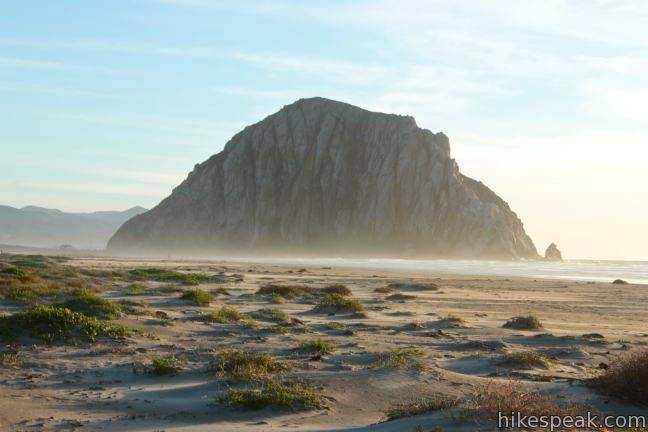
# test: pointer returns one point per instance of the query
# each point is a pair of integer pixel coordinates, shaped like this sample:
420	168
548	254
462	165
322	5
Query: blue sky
108	104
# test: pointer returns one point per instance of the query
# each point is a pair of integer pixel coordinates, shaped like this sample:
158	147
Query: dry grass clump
198	297
452	318
247	366
510	396
528	322
399	359
271	314
275	394
340	303
527	359
627	377
421	407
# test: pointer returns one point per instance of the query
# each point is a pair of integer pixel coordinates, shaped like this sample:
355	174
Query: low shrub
271	314
286	291
414	286
53	324
340	303
224	315
336	289
90	304
399	358
493	399
421	407
626	377
317	346
528	322
243	365
165	275
198	297
162	366
274	394
527	359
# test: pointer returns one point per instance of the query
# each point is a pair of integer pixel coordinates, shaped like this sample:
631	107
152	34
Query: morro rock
553	253
321	177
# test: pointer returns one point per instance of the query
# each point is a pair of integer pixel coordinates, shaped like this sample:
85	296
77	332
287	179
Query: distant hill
51	228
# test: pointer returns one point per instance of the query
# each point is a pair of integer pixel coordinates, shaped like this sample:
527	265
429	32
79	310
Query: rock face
322	177
553	253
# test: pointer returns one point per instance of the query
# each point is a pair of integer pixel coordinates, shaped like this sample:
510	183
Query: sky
108	104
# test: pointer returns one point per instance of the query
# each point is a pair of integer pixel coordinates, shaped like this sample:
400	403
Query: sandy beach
415	337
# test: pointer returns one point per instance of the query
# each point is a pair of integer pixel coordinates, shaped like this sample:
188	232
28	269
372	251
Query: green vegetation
165	275
133	307
527	359
336	289
317	346
287	291
135	289
400	297
340	303
399	358
528	322
247	366
384	290
53	324
421	407
10	359
224	315
414	286
333	325
270	314
279	329
29	294
161	366
274	394
349	332
198	297
90	304
302	291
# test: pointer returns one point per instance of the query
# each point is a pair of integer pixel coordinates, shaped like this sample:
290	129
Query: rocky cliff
322	177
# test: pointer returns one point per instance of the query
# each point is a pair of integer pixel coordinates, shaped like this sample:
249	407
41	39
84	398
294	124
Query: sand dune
445	343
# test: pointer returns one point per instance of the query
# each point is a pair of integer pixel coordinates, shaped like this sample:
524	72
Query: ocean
582	270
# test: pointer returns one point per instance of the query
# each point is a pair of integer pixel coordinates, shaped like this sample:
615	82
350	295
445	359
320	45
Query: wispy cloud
126	47
30	89
315	66
188	126
58	66
257	93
